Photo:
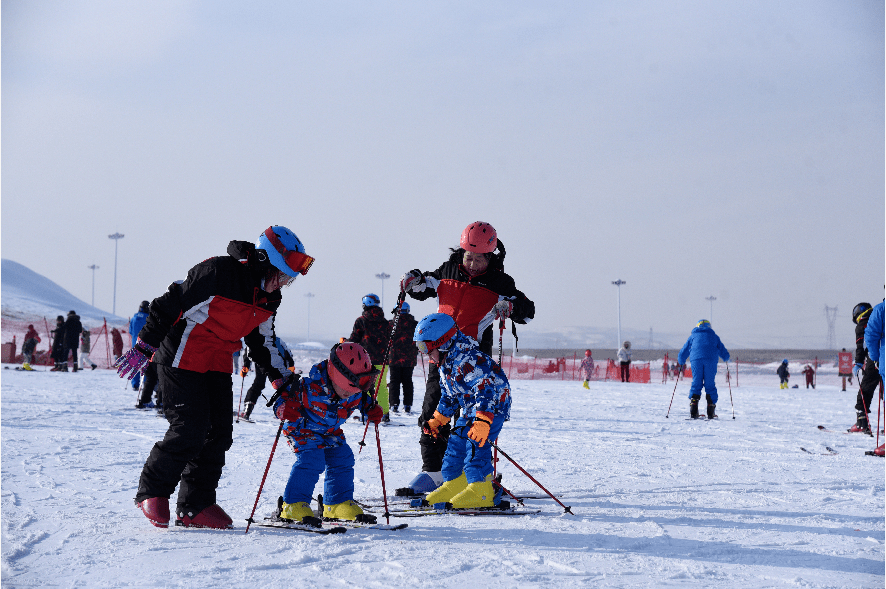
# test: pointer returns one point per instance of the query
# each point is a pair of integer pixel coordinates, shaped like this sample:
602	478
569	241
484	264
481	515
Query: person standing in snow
135	326
587	368
864	369
472	288
116	343
313	410
404	356
873	341
58	345
84	350
624	362
32	338
809	372
702	349
73	328
476	385
261	377
372	331
783	374
191	334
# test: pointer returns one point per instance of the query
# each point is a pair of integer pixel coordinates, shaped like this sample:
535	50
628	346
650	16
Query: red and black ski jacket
198	323
403	350
371	330
469	299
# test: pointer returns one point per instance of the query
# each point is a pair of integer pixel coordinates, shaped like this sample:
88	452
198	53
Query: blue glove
856	369
134	361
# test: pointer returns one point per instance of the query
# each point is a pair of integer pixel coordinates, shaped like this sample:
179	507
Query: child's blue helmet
284	250
371	300
702	322
434	331
404	308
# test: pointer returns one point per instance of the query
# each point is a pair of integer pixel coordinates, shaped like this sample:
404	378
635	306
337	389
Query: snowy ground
658	502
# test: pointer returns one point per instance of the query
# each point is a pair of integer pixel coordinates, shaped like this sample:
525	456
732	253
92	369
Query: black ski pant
870	379
254	392
432	449
402	375
199	409
149	384
625	371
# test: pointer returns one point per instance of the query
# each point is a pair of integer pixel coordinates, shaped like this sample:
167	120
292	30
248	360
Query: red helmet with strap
350	367
479	237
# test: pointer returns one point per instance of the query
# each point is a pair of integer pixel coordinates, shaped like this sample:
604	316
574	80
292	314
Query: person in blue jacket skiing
313	410
874	340
703	348
135	326
473	382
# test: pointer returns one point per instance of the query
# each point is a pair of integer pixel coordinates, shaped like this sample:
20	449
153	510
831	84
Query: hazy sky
690	148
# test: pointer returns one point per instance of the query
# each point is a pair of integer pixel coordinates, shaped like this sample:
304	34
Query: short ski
424	511
351	524
243	418
830	431
276	522
830	451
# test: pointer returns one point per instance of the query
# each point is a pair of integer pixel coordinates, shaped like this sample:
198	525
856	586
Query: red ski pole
381	468
566	509
265	476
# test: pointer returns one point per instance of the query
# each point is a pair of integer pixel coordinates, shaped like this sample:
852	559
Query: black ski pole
729	382
265	476
677	380
566	509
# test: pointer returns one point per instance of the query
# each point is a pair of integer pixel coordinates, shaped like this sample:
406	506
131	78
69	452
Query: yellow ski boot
296	511
26	366
347	510
585	385
445	492
480	494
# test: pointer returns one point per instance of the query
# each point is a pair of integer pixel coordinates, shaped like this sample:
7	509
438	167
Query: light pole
383	277
618	283
309	296
116	237
93	268
711	298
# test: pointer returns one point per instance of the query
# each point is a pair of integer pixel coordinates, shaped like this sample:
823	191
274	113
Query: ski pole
728	381
566	509
400	298
240	402
267	468
423	373
677	380
381	468
501	332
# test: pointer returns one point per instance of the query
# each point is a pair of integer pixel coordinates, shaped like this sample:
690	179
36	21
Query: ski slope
658	502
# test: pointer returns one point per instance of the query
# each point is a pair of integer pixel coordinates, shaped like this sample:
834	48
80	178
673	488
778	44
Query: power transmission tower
831	314
650	338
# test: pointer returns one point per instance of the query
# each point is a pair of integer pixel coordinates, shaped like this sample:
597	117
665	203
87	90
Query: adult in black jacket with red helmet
191	334
472	288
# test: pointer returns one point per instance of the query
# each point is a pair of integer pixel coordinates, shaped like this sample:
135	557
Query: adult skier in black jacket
191	333
865	371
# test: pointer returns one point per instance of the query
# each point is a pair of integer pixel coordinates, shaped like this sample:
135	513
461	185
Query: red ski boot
211	517
156	509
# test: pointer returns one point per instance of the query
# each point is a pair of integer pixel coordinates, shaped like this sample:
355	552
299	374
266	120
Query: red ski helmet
587	353
479	237
350	367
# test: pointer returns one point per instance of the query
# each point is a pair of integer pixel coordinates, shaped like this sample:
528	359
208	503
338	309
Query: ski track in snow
658	502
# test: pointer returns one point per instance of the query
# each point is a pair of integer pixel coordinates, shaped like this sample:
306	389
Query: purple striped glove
134	361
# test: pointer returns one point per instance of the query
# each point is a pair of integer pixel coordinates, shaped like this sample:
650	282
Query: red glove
289	411
244	371
375	414
432	427
480	430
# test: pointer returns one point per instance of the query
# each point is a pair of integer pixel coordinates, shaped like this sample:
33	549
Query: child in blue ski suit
313	410
472	381
702	349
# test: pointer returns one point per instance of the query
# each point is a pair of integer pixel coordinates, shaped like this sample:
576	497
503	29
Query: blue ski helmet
404	308
785	361
434	331
702	322
284	250
371	300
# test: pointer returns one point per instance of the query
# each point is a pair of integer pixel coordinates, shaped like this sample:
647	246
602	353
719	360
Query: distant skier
809	372
624	362
313	410
372	331
85	346
865	370
587	368
135	326
58	345
873	341
116	343
404	356
472	288
783	374
73	327
703	348
476	385
261	377
32	338
191	335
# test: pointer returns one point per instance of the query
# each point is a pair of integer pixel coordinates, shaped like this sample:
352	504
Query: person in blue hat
783	374
703	348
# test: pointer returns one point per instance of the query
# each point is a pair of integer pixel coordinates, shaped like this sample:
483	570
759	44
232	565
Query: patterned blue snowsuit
316	437
471	380
703	348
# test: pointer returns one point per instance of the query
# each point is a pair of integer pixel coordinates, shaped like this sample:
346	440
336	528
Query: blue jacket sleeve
684	351
724	353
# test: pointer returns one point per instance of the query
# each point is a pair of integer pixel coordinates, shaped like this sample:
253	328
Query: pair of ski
317	525
830	451
420	508
830	431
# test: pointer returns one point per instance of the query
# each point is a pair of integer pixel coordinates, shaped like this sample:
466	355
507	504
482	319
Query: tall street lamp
116	237
618	283
711	298
93	268
309	296
383	277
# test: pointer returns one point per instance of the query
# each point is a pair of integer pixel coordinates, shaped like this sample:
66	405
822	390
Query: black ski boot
862	426
711	408
693	407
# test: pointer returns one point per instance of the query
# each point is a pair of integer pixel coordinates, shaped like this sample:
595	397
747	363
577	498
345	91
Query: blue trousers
338	463
703	375
463	454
